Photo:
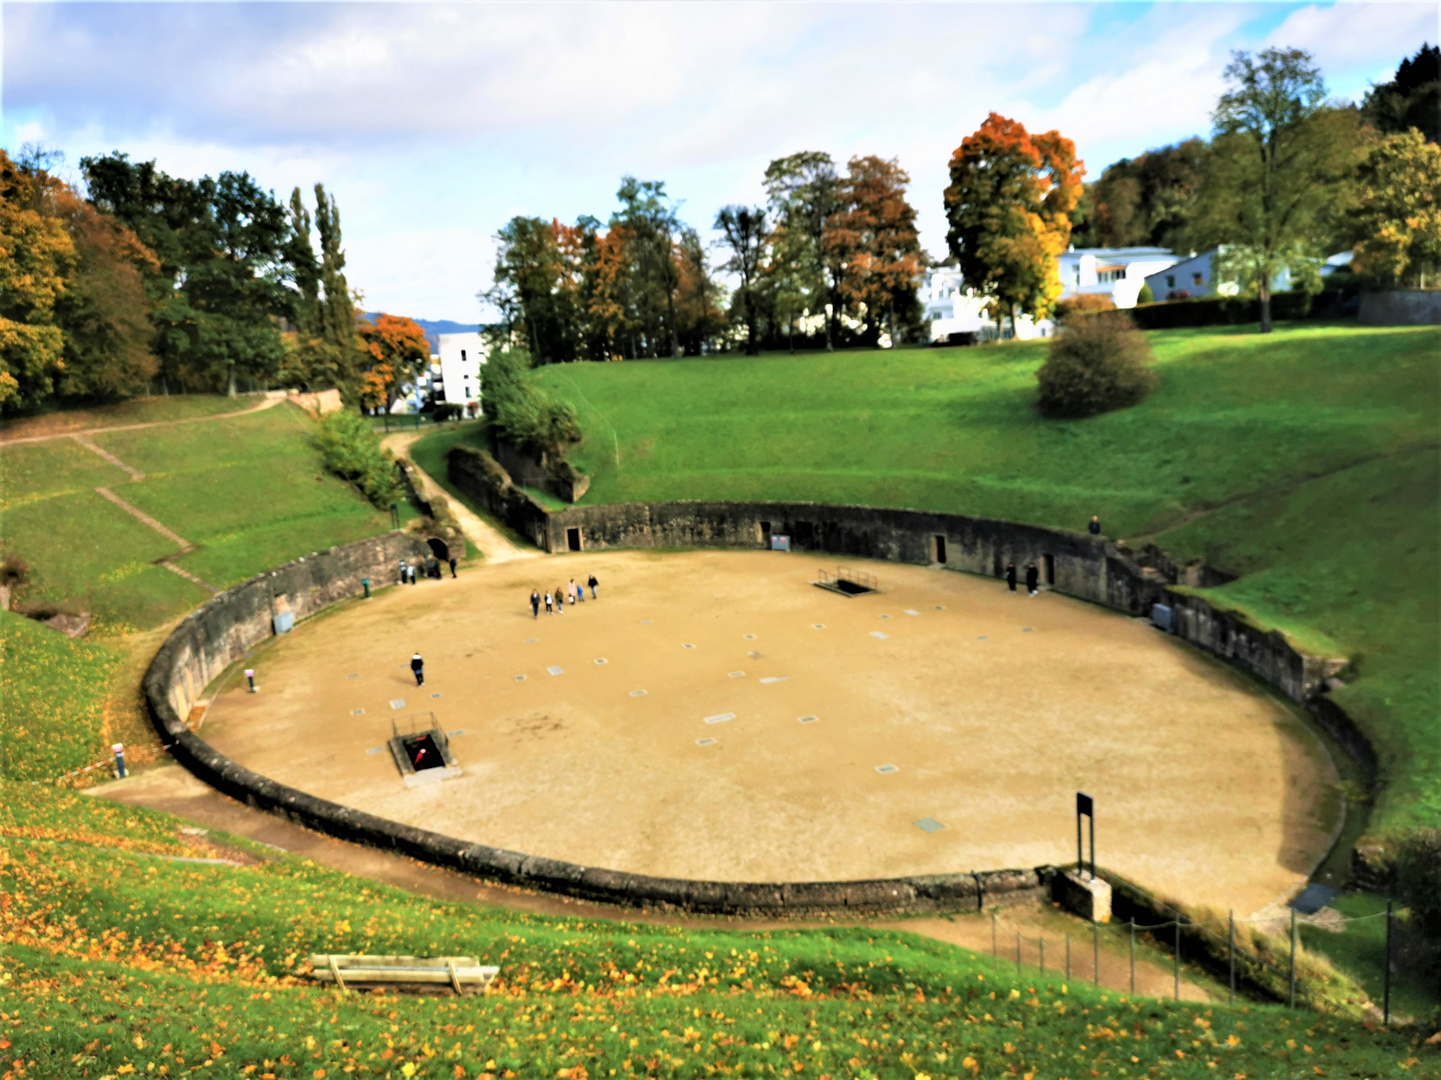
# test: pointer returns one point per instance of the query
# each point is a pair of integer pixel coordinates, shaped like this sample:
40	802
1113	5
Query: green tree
220	282
1279	164
803	192
1412	99
648	219
1146	200
743	229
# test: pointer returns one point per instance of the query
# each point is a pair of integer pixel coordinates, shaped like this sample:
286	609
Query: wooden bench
421	974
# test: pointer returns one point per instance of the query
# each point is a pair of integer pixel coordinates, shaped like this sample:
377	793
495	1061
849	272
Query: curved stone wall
227	627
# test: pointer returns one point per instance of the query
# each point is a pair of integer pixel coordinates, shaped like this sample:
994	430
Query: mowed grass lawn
250	491
1305	460
140	411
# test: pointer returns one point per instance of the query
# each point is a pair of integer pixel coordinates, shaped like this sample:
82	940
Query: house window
462	356
1197	280
1115	274
1170	281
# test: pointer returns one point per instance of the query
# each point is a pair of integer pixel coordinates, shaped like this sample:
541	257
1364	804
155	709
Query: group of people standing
1033	578
571	593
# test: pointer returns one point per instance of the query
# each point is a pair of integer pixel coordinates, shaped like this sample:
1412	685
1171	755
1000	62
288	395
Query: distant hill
435	327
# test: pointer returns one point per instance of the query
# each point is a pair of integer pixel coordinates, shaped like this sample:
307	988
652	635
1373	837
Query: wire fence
1260	969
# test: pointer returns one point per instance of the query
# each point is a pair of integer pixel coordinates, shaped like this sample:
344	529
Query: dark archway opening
439	549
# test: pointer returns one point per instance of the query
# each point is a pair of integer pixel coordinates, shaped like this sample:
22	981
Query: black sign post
1085	806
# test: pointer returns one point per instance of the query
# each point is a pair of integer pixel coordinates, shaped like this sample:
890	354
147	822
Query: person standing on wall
534	604
1011	576
417	665
1095	525
1033	579
593	583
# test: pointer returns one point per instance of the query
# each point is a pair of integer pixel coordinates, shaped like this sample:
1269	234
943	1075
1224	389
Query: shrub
1083	304
1418	885
448	410
522	413
1097	363
1145	296
352	451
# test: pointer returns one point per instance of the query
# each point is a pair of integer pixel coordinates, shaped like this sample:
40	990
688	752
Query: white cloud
434	123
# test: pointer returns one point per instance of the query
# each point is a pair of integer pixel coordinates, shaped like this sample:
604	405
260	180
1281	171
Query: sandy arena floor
658	729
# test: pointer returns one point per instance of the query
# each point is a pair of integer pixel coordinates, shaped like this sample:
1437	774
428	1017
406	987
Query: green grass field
54	692
140	411
115	958
1306	461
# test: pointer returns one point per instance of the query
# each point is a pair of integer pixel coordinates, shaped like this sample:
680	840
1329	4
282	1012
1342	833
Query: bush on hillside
1418	885
352	451
1083	304
1097	363
522	413
448	410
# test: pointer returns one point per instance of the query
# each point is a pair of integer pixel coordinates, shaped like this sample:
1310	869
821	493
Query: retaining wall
1076	564
1403	307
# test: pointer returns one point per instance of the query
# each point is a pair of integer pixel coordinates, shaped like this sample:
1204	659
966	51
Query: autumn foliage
1009	206
394	348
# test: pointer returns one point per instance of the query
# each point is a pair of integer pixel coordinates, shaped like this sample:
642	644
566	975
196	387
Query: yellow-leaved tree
1396	221
36	255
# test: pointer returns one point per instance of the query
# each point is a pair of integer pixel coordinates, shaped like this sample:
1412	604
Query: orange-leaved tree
395	347
874	236
1009	207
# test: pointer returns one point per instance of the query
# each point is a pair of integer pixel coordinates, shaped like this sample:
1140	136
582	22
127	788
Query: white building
1115	272
1195	276
951	308
460	358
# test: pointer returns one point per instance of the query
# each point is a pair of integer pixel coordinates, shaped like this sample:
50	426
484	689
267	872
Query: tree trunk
1265	306
230	382
791	330
670	308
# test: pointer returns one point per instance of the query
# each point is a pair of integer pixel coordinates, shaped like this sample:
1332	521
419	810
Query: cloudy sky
435	123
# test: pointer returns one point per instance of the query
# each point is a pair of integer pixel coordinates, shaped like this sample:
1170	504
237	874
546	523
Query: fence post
1231	955
1096	952
1176	962
1068	957
995	952
1292	1000
1386	972
1133	956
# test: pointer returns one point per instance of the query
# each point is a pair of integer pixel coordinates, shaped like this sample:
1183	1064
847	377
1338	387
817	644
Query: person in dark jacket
1033	579
1095	525
593	583
534	604
453	561
1011	576
417	665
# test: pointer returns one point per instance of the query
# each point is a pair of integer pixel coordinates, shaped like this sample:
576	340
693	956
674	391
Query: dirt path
171	789
492	544
267	403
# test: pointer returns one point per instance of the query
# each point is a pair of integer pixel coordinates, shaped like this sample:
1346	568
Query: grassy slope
114	961
139	411
53	691
250	491
1342	555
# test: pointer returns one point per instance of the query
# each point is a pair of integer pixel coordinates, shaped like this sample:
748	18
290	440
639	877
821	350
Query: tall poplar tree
744	231
803	192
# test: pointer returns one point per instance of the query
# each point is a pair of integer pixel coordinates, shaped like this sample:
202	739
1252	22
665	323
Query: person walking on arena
559	601
1033	579
549	604
453	561
576	592
1095	525
593	583
417	665
534	604
1011	576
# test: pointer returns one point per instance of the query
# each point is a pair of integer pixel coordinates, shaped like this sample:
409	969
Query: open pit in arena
715	715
